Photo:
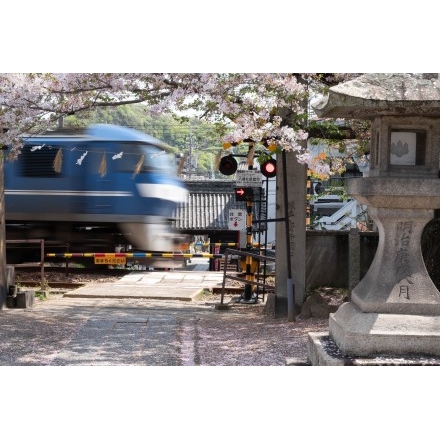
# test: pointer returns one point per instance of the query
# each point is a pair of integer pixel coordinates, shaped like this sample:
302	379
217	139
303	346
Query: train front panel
102	179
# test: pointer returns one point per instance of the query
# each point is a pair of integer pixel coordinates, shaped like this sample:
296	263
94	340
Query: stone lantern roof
383	94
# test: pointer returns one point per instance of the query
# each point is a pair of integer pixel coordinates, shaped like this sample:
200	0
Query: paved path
100	332
184	285
137	321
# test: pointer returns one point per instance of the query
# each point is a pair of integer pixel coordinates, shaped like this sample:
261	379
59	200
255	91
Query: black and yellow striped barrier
224	244
130	255
118	258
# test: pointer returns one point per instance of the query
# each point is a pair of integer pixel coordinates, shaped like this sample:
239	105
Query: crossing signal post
248	287
248	179
248	296
247	195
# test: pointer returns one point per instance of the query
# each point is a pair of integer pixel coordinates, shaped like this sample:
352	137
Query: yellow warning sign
110	260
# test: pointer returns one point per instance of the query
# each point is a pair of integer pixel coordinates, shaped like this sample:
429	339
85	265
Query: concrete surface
145	319
322	351
185	285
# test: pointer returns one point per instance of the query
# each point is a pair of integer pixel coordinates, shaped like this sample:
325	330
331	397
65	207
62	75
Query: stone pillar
396	296
395	309
397	281
296	211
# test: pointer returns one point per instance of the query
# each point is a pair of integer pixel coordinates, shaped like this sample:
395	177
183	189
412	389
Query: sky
231	36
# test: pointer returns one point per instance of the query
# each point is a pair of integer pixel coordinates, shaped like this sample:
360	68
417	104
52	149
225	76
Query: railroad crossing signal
228	165
244	194
269	168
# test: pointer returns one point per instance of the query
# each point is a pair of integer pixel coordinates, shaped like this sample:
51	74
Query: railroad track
65	278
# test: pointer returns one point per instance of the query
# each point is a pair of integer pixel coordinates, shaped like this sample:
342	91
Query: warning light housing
228	165
269	168
244	194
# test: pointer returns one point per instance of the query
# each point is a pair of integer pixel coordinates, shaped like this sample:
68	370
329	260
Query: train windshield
151	157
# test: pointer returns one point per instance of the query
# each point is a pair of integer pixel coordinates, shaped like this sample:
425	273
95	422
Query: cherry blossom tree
252	106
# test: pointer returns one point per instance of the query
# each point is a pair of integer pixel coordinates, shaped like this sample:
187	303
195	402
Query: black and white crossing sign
249	178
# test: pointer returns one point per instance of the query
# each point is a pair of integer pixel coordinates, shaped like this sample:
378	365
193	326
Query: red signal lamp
269	168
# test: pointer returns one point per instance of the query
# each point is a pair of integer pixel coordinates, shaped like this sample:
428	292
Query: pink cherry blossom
248	104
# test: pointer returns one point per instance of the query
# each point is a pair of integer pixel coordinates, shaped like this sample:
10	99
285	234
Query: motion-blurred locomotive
104	187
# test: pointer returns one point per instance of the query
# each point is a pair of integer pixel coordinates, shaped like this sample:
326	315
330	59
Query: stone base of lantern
357	338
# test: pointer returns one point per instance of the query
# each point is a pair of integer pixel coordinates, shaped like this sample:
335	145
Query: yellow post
248	288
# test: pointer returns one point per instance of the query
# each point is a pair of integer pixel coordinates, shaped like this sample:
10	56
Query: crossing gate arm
232	277
131	255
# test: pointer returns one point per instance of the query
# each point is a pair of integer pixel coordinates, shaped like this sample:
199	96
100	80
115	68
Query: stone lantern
395	309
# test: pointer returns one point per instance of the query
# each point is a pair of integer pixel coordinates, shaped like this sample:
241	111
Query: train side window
38	163
154	158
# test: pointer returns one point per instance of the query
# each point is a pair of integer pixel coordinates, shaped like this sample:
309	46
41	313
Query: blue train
96	189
